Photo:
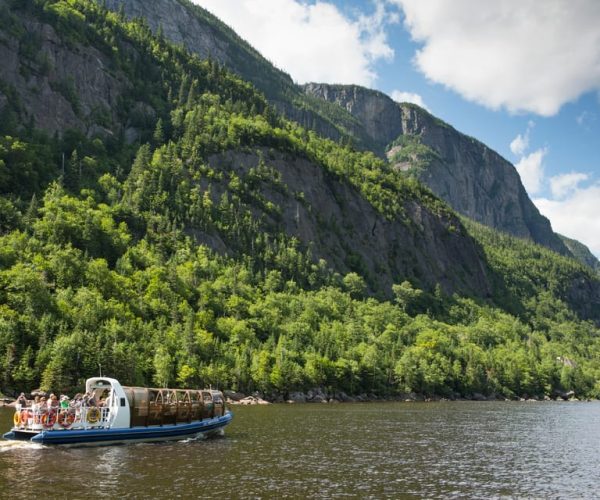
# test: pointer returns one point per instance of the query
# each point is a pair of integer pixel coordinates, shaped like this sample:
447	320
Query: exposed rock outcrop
187	24
345	230
58	86
380	117
473	179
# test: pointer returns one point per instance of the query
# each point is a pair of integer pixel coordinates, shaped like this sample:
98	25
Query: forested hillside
182	232
183	22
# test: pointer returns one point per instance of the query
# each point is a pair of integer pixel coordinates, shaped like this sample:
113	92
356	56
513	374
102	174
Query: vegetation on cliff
101	261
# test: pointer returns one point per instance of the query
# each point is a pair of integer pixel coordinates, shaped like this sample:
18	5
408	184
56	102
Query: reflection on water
377	450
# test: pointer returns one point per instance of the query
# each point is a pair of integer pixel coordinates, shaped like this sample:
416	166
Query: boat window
122	401
170	397
155	396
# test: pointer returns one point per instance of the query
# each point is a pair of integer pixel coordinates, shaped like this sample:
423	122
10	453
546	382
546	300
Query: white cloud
520	144
531	170
573	210
523	56
400	96
576	216
312	42
565	184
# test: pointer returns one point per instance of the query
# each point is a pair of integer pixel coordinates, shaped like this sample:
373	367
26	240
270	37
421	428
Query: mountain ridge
186	23
374	127
192	235
472	178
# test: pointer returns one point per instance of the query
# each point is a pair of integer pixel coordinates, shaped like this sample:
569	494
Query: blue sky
522	76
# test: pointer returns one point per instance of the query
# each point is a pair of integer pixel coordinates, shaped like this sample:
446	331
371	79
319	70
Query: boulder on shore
233	396
252	400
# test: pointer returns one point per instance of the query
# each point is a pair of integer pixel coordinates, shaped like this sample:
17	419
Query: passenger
43	405
64	401
22	400
85	398
53	402
76	401
35	405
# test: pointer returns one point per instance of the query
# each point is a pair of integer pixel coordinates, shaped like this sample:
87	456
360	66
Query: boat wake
19	445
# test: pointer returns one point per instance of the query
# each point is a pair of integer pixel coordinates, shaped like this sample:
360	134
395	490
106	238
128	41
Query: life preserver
65	418
17	418
93	415
24	417
49	419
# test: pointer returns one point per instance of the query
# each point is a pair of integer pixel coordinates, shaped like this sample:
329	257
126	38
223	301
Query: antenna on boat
100	367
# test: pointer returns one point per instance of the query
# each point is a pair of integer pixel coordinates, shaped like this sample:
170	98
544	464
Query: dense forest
104	266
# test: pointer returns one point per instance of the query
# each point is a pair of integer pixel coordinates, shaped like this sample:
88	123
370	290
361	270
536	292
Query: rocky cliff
187	24
62	82
49	84
380	117
473	179
340	226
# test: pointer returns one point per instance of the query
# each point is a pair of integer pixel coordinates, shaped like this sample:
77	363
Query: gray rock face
58	87
476	181
343	229
380	116
178	26
473	179
203	34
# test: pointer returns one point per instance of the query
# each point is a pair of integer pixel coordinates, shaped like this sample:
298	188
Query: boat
123	415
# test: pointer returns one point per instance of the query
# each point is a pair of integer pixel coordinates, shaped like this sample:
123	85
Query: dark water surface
373	450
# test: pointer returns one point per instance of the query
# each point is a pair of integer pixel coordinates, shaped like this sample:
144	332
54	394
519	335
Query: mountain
185	23
73	82
473	179
161	216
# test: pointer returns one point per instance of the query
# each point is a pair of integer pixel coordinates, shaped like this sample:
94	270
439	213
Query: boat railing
83	417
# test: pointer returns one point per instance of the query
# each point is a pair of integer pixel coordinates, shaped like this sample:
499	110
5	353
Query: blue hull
130	435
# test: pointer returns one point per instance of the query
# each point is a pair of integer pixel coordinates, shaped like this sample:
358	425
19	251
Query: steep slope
520	267
185	23
324	200
192	236
492	195
45	86
380	116
339	226
474	180
581	253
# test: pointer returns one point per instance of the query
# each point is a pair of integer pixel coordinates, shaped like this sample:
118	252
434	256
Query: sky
522	76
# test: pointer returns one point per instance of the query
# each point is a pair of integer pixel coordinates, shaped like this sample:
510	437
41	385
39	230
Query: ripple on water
379	450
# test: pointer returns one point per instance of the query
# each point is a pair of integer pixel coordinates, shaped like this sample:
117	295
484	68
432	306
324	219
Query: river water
370	450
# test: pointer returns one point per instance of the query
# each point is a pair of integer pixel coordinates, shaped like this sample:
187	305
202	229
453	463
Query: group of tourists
52	402
63	411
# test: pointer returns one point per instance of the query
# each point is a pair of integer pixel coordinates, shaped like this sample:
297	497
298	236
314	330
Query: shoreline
318	397
238	399
425	401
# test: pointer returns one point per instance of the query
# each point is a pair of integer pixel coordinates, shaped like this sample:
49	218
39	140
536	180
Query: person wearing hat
64	401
